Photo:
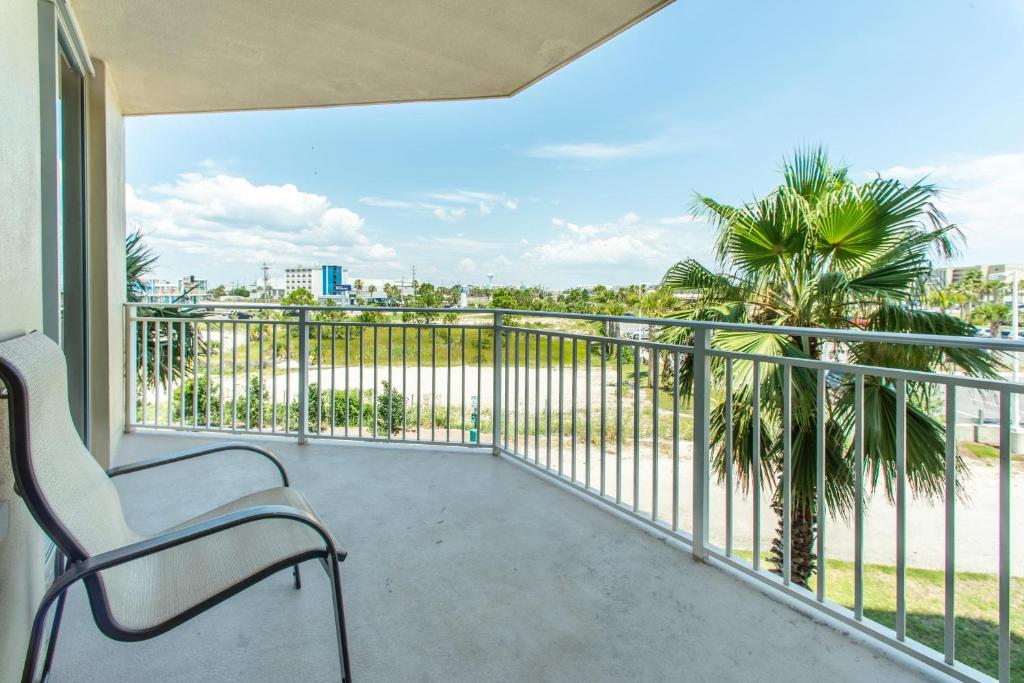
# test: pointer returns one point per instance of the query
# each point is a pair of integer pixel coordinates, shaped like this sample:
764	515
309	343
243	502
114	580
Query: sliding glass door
63	69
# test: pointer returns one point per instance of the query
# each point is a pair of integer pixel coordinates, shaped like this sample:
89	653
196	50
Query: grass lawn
977	609
983	451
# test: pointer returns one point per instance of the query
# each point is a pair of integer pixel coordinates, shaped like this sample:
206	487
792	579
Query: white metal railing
571	403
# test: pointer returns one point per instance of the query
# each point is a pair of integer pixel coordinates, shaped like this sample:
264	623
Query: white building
324	281
996	271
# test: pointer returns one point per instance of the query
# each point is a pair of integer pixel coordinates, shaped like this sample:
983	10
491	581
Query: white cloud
228	222
450	215
684	219
448	206
468	265
601	151
625	247
982	195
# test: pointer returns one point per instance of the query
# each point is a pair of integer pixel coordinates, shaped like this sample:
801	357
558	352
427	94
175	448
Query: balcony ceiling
196	55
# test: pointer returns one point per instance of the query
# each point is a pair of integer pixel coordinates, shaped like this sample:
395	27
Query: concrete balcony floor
462	567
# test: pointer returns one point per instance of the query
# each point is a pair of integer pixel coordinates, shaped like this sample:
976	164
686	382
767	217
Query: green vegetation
977	608
822	250
968	293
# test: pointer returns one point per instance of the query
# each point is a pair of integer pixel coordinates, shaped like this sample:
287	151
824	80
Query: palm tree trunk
803	559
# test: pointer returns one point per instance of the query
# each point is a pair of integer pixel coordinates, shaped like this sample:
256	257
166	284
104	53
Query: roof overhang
228	55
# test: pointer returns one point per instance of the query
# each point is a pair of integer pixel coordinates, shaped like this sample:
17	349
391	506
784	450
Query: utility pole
266	281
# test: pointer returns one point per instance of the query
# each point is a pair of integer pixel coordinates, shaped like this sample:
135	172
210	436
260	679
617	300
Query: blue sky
588	177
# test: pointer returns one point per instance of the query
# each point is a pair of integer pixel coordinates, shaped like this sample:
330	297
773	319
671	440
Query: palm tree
139	261
824	251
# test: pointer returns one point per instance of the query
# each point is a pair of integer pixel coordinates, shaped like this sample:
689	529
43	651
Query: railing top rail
820	332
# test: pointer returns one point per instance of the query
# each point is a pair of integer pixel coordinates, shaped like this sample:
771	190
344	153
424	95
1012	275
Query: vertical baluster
755	465
505	367
234	375
131	351
480	387
170	372
433	382
419	380
498	346
701	442
636	428
462	394
586	419
181	371
288	378
821	511
858	498
448	387
561	403
195	374
618	422
362	333
729	449
389	395
334	373
675	441
526	397
949	611
302	428
515	406
245	385
348	362
550	408
273	377
572	421
376	412
157	355
603	417
1005	492
319	378
259	396
901	509
405	380
536	402
209	379
145	370
653	372
220	371
787	473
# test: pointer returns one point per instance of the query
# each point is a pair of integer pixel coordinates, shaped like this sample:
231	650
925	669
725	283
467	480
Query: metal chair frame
73	564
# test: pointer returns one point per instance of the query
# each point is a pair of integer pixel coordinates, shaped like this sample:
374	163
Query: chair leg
60	567
51	646
298	578
36	635
334	571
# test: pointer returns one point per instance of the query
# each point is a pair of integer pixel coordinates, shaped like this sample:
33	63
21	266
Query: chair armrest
197	452
170	539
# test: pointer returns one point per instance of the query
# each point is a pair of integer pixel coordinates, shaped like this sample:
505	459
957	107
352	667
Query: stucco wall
21	545
105	139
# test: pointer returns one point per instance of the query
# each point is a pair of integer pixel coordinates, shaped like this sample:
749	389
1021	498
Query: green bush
198	394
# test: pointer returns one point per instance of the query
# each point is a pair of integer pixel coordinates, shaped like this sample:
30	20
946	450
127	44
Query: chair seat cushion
152	590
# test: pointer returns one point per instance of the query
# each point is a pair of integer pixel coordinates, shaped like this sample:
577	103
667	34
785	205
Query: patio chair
141	586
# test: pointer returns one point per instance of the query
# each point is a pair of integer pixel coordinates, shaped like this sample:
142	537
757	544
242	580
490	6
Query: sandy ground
976	517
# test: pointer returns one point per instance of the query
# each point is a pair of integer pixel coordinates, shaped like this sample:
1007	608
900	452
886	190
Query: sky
589	176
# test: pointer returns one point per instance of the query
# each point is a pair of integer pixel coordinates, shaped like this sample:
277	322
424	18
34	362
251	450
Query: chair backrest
64	487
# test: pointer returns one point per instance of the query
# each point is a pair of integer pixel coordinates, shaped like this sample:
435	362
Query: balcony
462	566
466	566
